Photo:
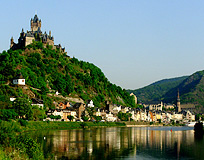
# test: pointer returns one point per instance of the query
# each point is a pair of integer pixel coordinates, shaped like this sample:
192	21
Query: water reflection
122	143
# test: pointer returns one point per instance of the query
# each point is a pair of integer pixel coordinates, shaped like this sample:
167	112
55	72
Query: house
12	99
124	109
188	116
110	117
90	103
55	112
19	80
37	102
97	113
116	108
158	115
156	106
103	114
65	105
69	112
177	116
169	106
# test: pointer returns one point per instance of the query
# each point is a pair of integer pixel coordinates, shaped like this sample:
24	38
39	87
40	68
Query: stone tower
12	42
35	24
178	103
135	98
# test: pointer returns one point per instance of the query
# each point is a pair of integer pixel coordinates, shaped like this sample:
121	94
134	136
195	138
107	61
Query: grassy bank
38	125
14	145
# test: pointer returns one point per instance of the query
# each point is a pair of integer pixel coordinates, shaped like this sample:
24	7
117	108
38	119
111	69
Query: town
67	111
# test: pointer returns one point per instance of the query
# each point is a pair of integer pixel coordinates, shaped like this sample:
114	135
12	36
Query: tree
38	114
23	108
70	117
6	114
85	118
98	118
124	116
58	117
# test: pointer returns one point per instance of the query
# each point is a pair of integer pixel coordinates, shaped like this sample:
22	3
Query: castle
35	34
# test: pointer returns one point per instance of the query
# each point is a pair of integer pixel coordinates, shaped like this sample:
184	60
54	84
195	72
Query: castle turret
12	42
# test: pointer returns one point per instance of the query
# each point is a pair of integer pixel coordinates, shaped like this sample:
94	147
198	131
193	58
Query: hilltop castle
35	34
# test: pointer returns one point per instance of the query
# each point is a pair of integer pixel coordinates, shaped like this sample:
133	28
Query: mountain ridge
155	91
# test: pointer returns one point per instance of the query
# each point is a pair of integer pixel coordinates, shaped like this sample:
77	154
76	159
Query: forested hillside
155	92
191	91
46	70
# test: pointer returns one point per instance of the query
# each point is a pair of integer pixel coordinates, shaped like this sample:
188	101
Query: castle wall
29	40
50	42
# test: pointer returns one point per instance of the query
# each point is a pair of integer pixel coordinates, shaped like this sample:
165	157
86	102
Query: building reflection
88	143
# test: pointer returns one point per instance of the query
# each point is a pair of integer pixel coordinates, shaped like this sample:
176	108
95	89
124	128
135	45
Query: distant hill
47	70
155	92
191	91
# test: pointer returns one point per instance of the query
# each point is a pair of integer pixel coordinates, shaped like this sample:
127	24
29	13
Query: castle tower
35	24
178	102
12	42
135	98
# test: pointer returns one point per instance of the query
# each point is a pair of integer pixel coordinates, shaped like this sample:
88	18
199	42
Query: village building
169	106
19	80
55	112
90	103
37	102
63	105
156	106
110	117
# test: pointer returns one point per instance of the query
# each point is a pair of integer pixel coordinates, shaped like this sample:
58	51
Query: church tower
35	24
178	102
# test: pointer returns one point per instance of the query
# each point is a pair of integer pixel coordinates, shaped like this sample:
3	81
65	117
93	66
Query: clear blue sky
134	42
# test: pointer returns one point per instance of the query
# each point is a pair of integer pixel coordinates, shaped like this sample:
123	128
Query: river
121	143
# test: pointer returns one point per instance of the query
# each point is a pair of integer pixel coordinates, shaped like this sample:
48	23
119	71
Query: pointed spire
178	94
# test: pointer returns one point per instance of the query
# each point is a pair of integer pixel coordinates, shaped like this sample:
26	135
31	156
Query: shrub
23	122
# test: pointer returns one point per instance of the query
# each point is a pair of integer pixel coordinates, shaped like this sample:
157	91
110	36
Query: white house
116	108
97	113
110	117
19	80
90	103
12	99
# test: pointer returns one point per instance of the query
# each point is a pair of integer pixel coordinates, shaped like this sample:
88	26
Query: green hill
191	91
155	92
47	70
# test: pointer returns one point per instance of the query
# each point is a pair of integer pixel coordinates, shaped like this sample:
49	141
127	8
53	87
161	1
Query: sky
134	42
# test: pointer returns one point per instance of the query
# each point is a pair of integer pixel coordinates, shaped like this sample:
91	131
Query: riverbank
14	144
38	125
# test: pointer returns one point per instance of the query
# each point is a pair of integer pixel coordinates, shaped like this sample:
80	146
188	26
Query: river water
122	143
